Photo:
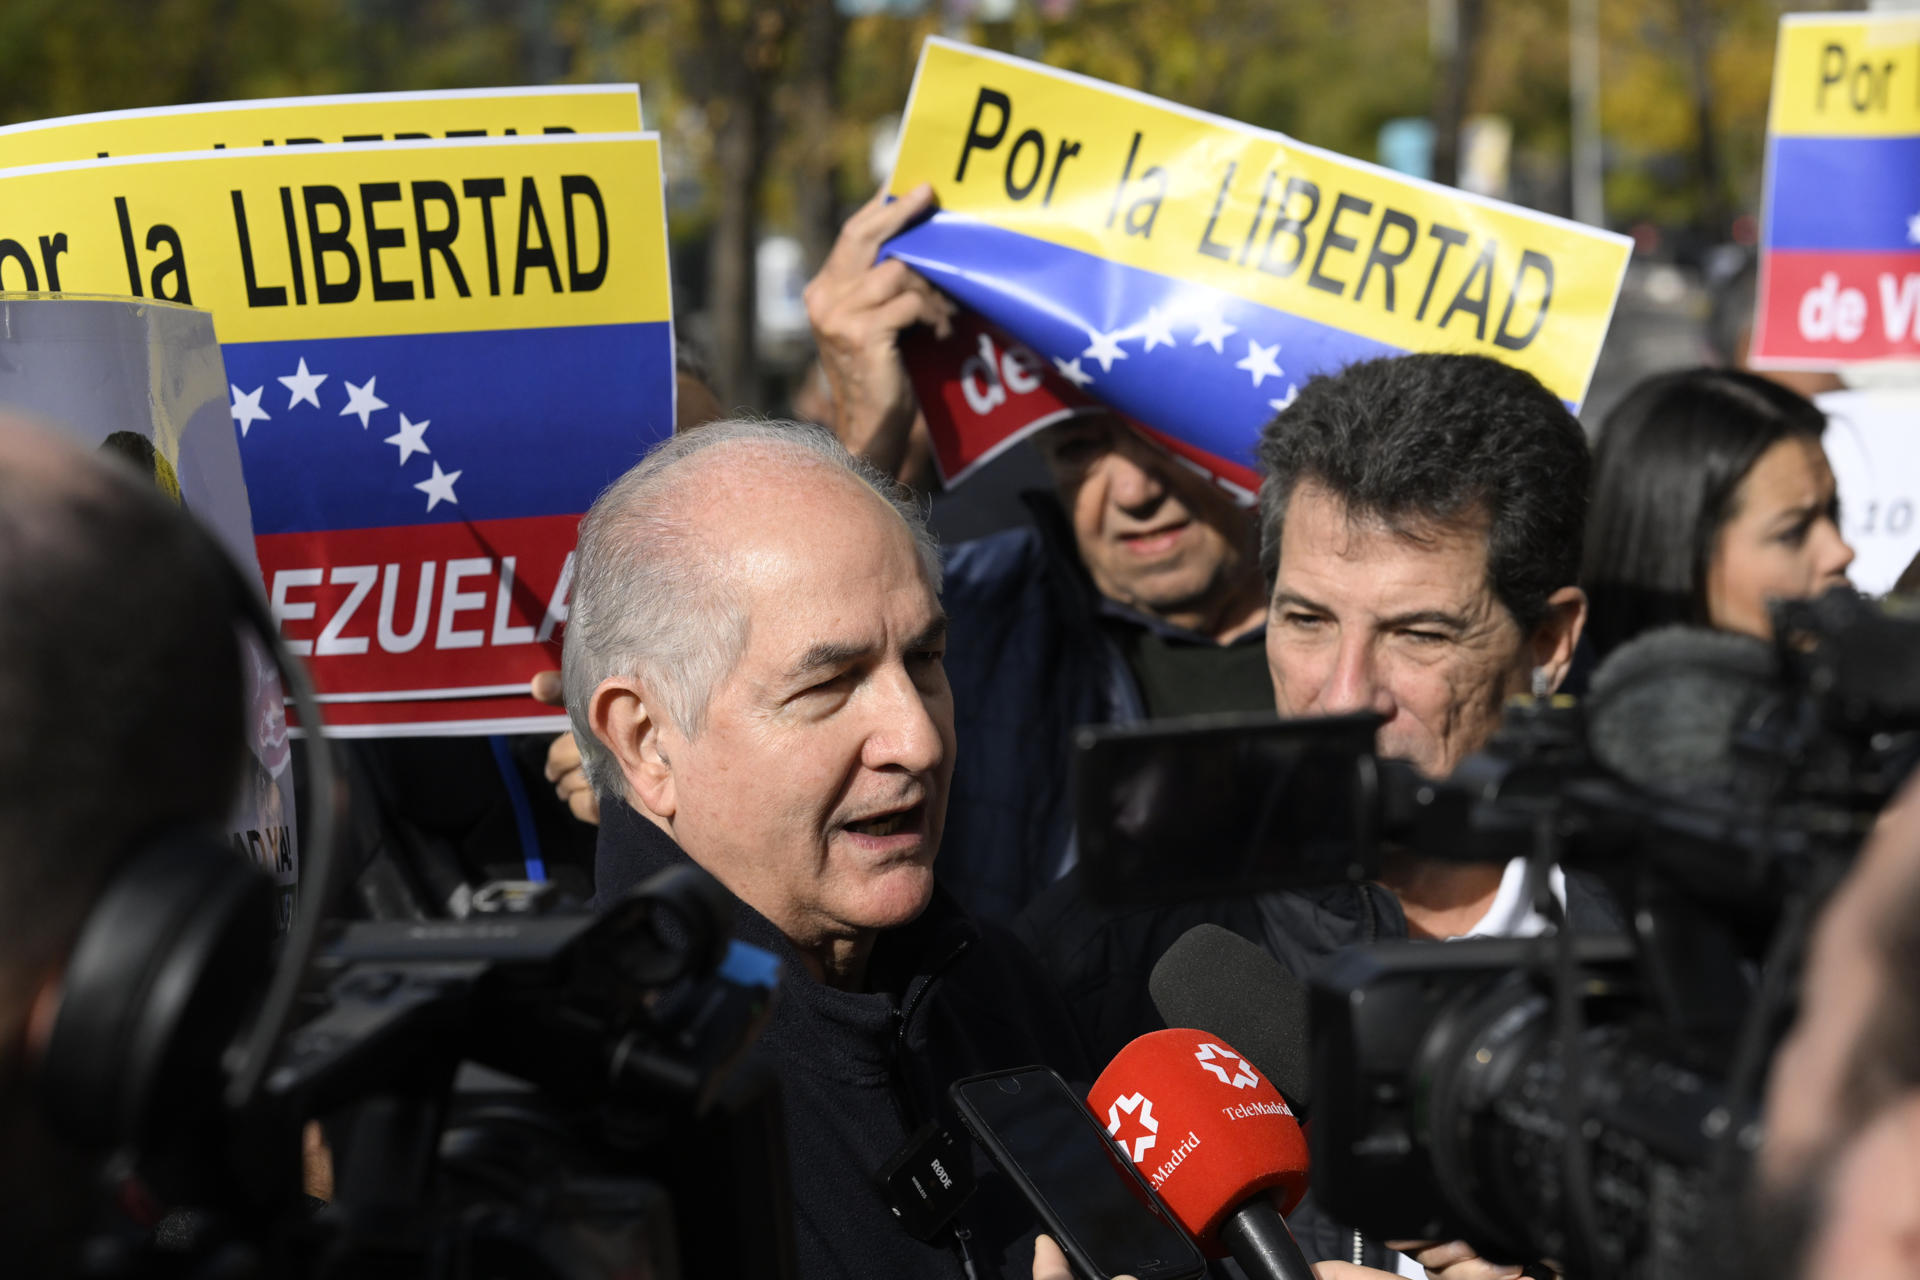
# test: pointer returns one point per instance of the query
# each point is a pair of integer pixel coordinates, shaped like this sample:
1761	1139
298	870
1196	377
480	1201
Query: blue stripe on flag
1207	366
1844	193
446	427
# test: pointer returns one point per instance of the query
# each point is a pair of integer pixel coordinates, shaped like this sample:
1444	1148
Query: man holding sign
1138	593
1190	273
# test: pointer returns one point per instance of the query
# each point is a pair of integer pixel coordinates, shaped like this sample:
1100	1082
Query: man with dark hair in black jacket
1421	525
753	668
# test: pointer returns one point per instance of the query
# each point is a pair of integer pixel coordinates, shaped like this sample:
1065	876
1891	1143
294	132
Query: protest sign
349	117
144	381
1840	228
1873	442
1192	272
438	354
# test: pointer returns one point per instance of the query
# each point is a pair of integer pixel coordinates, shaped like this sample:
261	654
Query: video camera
1717	786
528	1092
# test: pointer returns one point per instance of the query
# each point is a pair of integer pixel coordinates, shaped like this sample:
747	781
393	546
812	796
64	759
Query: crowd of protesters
774	672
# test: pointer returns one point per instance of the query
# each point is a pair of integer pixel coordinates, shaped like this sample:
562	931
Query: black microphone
1663	710
1215	980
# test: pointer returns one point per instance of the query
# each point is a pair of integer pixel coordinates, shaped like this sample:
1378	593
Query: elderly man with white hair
753	669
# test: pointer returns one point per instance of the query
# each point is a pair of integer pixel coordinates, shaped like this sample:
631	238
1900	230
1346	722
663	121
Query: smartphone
1209	806
1085	1189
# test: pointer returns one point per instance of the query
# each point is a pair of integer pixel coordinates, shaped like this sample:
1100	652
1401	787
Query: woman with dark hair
1712	496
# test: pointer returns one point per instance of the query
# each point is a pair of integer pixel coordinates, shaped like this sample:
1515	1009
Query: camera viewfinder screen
1222	804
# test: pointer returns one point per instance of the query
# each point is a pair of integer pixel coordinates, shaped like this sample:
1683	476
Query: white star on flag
439	486
1293	393
408	439
1072	372
1104	347
303	385
1156	329
246	408
1260	361
362	401
1214	330
1913	229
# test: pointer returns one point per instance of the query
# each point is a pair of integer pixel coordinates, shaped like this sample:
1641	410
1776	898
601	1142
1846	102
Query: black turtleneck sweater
859	1071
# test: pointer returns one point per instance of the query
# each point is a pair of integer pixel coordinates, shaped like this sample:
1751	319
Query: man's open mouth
887	824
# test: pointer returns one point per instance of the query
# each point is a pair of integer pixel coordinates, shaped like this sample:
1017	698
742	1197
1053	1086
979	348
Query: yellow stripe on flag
1856	76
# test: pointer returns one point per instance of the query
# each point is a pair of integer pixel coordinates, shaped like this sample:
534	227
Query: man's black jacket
1099	958
860	1071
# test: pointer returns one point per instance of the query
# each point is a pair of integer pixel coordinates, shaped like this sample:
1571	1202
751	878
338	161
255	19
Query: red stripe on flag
421	607
981	388
1834	307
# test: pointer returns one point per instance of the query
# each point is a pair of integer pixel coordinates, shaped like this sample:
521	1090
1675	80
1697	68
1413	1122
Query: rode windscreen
1664	709
1204	1127
1214	979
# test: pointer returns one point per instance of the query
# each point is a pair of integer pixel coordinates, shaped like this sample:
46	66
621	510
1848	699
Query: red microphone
1217	1142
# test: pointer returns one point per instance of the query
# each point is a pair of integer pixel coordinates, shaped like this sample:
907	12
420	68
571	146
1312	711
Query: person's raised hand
1453	1260
858	309
564	767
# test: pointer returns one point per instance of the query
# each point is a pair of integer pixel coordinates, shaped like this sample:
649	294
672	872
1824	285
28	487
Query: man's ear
1553	642
626	724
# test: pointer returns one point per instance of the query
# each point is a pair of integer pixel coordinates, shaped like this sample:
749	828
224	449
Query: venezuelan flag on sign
438	354
1840	241
1191	272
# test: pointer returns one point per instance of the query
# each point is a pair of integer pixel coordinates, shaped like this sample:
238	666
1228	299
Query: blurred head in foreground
121	697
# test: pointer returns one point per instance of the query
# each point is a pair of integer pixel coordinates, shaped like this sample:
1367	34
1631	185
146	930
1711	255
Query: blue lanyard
522	807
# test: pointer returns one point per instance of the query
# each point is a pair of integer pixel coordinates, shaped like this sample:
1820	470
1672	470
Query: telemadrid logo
1140	1110
1221	1060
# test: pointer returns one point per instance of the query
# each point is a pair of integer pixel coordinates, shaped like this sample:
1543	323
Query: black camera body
1583	1099
1438	1104
1592	1099
534	1094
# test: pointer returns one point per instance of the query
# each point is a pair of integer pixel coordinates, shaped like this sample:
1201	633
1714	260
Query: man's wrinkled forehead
764	513
761	481
1354	531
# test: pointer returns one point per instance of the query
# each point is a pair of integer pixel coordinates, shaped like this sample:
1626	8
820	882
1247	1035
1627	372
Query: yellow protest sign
438	353
1840	226
1347	250
355	117
1847	75
379	238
